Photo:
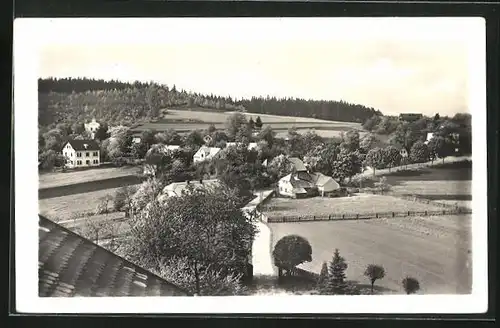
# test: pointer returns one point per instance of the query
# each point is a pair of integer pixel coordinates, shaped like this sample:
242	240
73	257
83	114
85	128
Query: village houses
81	153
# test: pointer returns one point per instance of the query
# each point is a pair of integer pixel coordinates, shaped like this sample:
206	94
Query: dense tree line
79	99
321	109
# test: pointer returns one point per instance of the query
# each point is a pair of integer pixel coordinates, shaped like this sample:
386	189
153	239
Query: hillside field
188	120
435	250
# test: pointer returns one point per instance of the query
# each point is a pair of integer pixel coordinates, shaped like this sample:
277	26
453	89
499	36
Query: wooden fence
366	216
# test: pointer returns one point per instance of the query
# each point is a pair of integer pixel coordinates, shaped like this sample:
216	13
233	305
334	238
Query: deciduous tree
204	227
373	273
410	285
291	251
419	152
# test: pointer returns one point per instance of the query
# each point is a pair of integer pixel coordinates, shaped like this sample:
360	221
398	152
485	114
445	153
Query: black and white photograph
250	165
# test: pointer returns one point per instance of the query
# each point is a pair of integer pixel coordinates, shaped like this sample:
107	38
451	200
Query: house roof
209	151
296	182
70	265
320	179
178	187
297	164
84	144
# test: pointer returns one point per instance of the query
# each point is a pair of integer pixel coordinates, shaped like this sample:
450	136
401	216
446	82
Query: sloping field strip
50	180
221	117
64	207
186	127
435	261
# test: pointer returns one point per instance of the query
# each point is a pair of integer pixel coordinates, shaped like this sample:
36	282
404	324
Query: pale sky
393	66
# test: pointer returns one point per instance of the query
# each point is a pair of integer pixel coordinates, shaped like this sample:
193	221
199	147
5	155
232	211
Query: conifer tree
258	122
336	280
323	278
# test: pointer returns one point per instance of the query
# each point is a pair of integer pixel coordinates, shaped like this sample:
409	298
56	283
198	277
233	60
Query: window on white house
87	154
87	162
65	154
78	162
79	154
95	153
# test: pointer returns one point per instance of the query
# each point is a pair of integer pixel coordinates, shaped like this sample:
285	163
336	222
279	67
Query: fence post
314	217
343	216
408	213
425	213
393	214
376	215
329	217
444	212
357	216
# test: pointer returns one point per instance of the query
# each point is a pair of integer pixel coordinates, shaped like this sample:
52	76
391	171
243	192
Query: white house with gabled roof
205	154
81	153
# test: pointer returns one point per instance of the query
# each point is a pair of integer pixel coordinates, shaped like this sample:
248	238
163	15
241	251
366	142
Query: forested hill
79	99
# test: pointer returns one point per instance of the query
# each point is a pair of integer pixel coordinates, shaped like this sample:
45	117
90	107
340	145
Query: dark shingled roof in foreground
70	265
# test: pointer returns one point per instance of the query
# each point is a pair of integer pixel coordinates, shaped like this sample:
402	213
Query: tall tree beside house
279	167
392	157
168	137
351	140
327	158
311	140
419	152
251	123
194	139
375	158
78	128
210	233
236	123
346	165
148	138
102	132
258	123
366	142
268	135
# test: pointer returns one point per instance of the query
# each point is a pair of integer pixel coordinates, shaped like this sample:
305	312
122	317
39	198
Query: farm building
297	187
92	127
81	153
177	188
205	154
324	183
80	267
301	183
